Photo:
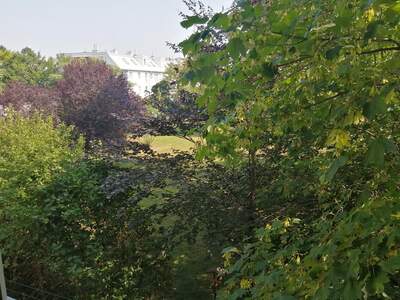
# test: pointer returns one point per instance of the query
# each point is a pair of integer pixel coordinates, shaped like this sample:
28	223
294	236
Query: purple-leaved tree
99	102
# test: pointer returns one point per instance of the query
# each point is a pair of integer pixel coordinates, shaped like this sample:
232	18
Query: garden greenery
294	189
310	94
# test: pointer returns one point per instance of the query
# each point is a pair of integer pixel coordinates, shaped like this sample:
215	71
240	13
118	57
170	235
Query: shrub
32	153
28	99
88	247
61	231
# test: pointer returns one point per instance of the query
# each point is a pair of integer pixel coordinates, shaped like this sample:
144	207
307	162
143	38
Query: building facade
142	72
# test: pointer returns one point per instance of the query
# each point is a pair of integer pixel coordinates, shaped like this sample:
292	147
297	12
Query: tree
28	99
28	67
173	106
98	102
309	91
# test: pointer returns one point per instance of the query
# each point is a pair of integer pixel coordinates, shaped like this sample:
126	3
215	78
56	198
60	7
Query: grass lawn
167	144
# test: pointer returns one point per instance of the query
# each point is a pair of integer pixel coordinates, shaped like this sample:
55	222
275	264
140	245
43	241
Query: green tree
173	108
309	91
28	67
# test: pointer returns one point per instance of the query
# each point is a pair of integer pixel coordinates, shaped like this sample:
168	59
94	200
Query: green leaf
379	281
236	48
396	7
237	294
391	265
285	297
190	21
339	138
253	54
376	152
221	21
352	290
337	163
269	70
322	293
375	107
205	73
372	28
390	146
333	53
345	16
189	76
190	44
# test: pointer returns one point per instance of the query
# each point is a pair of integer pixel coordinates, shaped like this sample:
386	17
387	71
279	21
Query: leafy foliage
173	106
28	67
32	152
298	184
195	207
310	95
62	231
30	99
98	102
95	232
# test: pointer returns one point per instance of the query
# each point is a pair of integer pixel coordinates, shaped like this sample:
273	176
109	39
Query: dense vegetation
292	191
88	94
310	95
28	67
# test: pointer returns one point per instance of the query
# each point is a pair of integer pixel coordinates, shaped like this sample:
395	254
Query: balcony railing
3	282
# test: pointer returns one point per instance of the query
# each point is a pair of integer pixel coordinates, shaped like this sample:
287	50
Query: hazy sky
54	26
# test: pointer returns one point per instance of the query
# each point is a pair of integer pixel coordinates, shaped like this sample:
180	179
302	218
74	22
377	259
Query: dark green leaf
371	29
392	264
190	21
337	163
352	290
333	53
376	106
190	44
269	70
390	146
376	152
236	48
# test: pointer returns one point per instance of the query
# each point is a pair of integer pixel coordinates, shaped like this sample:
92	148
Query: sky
60	26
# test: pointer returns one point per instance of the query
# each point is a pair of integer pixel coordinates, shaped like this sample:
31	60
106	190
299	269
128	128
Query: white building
142	71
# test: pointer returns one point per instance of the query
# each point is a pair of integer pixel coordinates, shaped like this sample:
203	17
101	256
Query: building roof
128	61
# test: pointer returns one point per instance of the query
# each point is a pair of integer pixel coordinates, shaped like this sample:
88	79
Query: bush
32	153
28	99
89	249
61	231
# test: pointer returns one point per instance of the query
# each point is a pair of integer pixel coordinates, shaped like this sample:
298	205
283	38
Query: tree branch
324	100
380	50
293	61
